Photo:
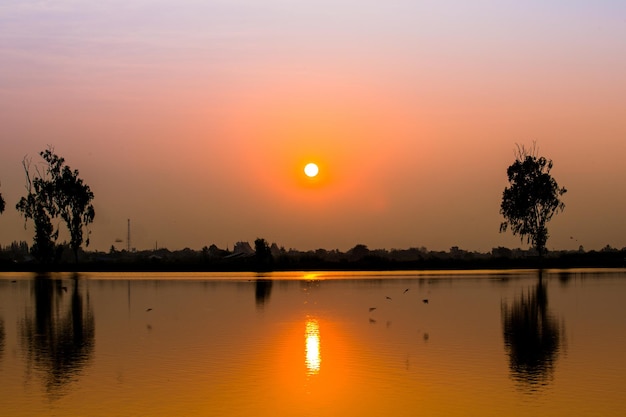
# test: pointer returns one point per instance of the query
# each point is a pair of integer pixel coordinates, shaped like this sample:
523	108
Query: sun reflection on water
312	358
310	277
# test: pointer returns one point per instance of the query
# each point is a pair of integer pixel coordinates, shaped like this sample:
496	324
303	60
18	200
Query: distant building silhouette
276	251
243	248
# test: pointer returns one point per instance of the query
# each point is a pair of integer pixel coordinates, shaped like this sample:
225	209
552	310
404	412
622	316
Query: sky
194	119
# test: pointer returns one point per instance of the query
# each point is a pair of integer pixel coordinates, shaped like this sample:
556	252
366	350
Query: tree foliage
72	198
56	191
37	206
532	198
262	251
2	204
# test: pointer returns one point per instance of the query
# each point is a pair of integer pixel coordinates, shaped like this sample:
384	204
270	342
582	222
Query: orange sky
195	120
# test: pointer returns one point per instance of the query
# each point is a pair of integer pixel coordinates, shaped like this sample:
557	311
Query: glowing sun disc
311	170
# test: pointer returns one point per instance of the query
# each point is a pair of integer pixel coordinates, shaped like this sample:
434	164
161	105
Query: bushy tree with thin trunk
532	198
72	198
37	205
56	191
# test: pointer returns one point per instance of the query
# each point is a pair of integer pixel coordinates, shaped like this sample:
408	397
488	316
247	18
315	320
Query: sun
311	170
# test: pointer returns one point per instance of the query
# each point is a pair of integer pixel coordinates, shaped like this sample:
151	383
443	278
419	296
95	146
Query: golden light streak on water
310	277
312	354
477	360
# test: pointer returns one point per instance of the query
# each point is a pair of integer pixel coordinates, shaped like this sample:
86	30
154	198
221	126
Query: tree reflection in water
262	291
59	335
532	338
1	337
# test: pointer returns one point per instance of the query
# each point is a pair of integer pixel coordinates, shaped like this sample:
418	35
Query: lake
438	343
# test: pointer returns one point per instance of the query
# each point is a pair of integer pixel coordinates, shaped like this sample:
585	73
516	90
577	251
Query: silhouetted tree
57	192
262	251
72	197
532	198
2	204
38	206
358	252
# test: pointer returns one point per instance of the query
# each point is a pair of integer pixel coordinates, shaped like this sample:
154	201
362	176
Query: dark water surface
304	344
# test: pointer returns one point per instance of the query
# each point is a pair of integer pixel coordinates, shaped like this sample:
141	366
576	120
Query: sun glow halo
311	170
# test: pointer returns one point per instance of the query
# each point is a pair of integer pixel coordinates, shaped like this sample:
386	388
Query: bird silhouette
388	298
372	309
425	301
148	309
405	291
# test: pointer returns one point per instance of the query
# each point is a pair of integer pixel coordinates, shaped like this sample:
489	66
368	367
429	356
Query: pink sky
195	119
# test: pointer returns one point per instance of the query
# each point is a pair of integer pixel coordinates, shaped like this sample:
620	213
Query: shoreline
613	260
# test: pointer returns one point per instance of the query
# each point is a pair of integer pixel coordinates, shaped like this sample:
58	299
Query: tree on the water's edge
2	204
57	191
532	198
262	251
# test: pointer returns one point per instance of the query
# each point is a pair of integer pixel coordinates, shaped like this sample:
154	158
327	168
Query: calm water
299	344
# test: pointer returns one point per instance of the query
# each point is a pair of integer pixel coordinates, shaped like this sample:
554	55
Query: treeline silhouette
265	257
57	195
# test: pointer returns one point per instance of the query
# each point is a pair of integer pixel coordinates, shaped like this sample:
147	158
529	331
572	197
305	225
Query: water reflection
532	338
565	277
211	351
59	335
262	291
312	353
1	337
